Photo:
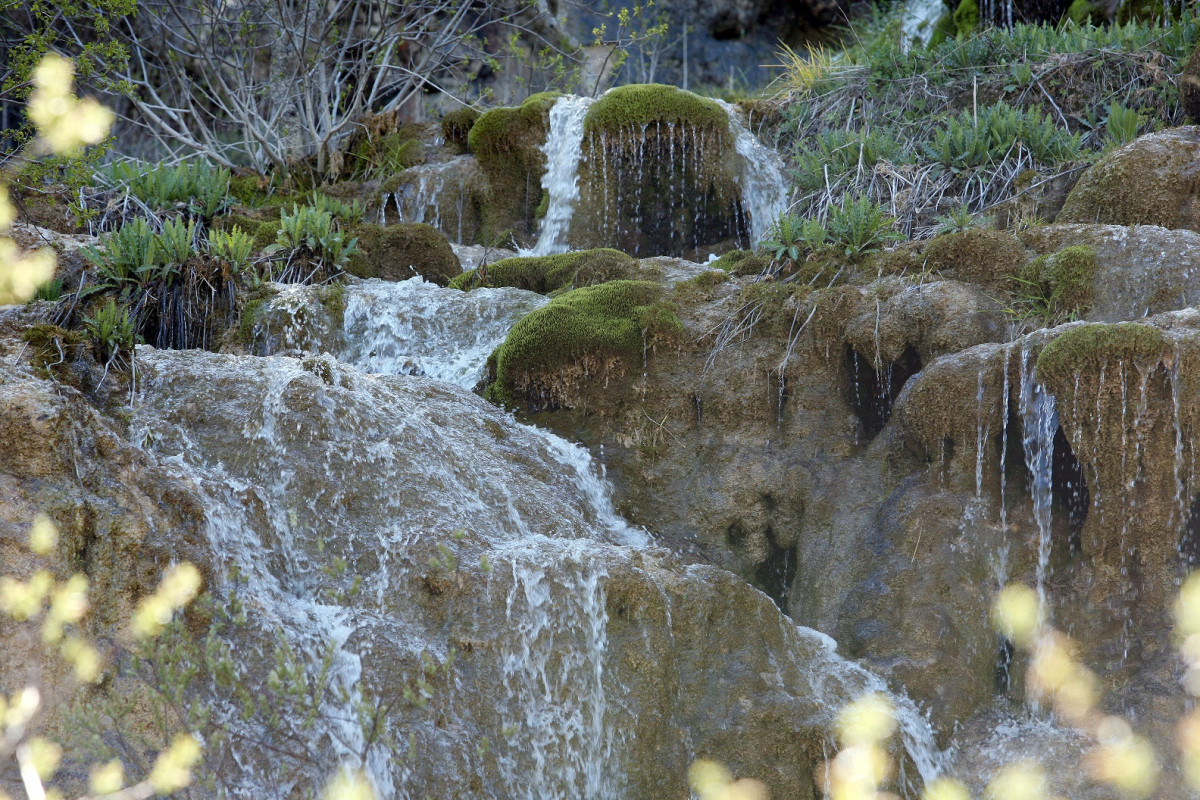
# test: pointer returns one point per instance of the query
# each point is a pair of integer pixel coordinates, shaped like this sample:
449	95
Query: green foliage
382	156
840	152
129	255
1122	126
50	291
785	238
348	214
860	224
176	241
93	22
956	220
546	274
196	186
311	232
234	246
967	143
111	330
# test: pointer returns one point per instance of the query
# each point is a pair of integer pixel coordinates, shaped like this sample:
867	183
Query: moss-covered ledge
596	331
640	104
1077	355
547	274
507	143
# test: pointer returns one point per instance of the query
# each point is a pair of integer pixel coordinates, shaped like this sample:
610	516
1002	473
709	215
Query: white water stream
345	508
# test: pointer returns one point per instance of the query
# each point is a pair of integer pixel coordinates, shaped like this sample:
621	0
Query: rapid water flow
344	506
1039	418
563	149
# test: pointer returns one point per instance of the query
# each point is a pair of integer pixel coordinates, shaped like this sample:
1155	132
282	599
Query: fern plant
860	225
349	214
1122	126
111	330
234	247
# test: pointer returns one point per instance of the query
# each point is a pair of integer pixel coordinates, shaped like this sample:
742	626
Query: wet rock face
121	518
1153	180
591	661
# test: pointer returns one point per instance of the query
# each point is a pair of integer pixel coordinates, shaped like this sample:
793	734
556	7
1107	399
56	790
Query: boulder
1153	180
400	251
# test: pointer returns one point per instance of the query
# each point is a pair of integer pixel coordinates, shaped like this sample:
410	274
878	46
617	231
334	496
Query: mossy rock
398	252
586	333
641	104
56	350
377	154
546	274
1150	181
983	257
250	191
966	17
1065	281
250	310
742	262
1084	12
1084	350
457	124
507	143
658	174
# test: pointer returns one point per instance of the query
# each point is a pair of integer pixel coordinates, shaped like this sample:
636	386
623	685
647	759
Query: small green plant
840	152
859	225
50	291
128	255
111	331
195	186
234	246
349	214
175	241
1122	126
784	239
968	141
310	234
956	220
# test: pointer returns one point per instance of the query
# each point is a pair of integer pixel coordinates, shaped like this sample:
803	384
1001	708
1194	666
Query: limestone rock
1142	270
1153	180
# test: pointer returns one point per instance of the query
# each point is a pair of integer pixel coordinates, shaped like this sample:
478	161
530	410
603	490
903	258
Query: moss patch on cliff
586	333
742	262
1062	284
640	104
457	124
507	143
546	274
398	252
1085	349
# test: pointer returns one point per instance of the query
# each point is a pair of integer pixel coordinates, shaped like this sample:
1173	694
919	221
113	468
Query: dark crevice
1069	490
775	575
1004	657
873	392
1189	542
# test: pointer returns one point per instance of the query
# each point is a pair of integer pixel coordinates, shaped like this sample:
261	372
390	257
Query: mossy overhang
1083	350
640	104
546	274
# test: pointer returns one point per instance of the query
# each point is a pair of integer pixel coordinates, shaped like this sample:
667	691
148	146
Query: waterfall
563	149
414	328
381	526
761	179
1039	418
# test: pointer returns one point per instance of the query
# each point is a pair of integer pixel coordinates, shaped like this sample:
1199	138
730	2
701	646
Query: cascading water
1039	419
761	179
563	149
385	525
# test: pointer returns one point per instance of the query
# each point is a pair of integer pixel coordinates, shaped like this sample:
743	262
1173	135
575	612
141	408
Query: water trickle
1039	419
563	149
761	179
